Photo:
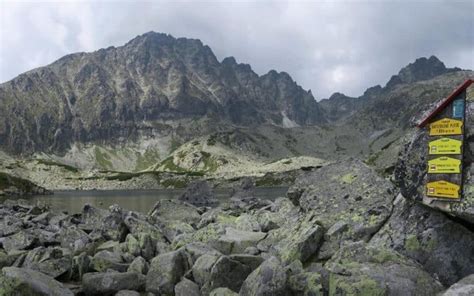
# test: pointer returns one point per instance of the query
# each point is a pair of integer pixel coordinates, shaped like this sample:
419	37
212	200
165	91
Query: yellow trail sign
446	126
442	189
445	146
444	165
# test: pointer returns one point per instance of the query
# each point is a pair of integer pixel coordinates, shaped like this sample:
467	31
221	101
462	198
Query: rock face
443	247
352	204
132	87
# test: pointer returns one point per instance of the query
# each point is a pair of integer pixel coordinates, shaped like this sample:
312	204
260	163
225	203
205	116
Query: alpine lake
133	200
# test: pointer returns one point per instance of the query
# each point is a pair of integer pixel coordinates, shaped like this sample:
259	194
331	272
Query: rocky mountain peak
119	92
422	69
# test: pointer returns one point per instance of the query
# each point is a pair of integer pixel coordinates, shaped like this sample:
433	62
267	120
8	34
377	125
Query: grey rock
80	265
138	265
442	246
236	241
165	272
201	269
269	279
21	240
74	239
358	197
109	283
50	261
359	269
197	249
21	281
104	260
464	287
187	288
230	272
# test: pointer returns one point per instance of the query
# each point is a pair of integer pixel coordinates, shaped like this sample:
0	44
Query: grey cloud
343	46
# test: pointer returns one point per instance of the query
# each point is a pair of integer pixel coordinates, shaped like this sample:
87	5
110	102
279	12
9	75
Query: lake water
133	200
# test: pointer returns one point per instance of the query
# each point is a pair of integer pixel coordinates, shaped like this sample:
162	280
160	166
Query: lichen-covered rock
109	283
346	192
358	269
299	242
104	260
175	210
187	288
165	272
138	265
201	269
230	272
21	240
464	287
80	266
21	281
74	239
137	225
50	261
269	279
442	246
236	241
306	283
197	249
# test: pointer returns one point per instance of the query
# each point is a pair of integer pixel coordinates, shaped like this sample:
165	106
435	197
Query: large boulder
299	242
358	269
109	283
104	260
442	246
166	271
187	288
269	279
175	210
22	281
230	272
108	224
74	239
21	240
347	192
50	261
464	287
236	241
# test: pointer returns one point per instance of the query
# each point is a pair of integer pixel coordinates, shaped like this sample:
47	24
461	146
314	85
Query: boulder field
341	230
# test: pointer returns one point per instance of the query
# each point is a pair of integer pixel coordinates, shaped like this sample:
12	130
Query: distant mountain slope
137	89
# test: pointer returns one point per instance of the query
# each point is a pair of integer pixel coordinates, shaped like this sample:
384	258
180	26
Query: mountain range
160	103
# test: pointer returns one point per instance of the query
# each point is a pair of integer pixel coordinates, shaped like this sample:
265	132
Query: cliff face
134	89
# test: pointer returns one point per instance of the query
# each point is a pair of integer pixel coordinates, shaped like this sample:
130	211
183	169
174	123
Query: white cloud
326	46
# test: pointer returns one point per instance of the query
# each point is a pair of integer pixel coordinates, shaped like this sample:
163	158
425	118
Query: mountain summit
421	69
123	92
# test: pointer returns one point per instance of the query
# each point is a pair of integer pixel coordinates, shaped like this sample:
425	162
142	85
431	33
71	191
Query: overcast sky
326	46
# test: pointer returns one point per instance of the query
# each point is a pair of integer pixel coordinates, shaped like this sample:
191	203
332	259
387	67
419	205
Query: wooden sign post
445	147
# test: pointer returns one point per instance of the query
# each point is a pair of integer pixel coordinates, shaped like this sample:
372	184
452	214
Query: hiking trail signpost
445	127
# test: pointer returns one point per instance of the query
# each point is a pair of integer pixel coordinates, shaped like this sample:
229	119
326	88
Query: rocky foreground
336	233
